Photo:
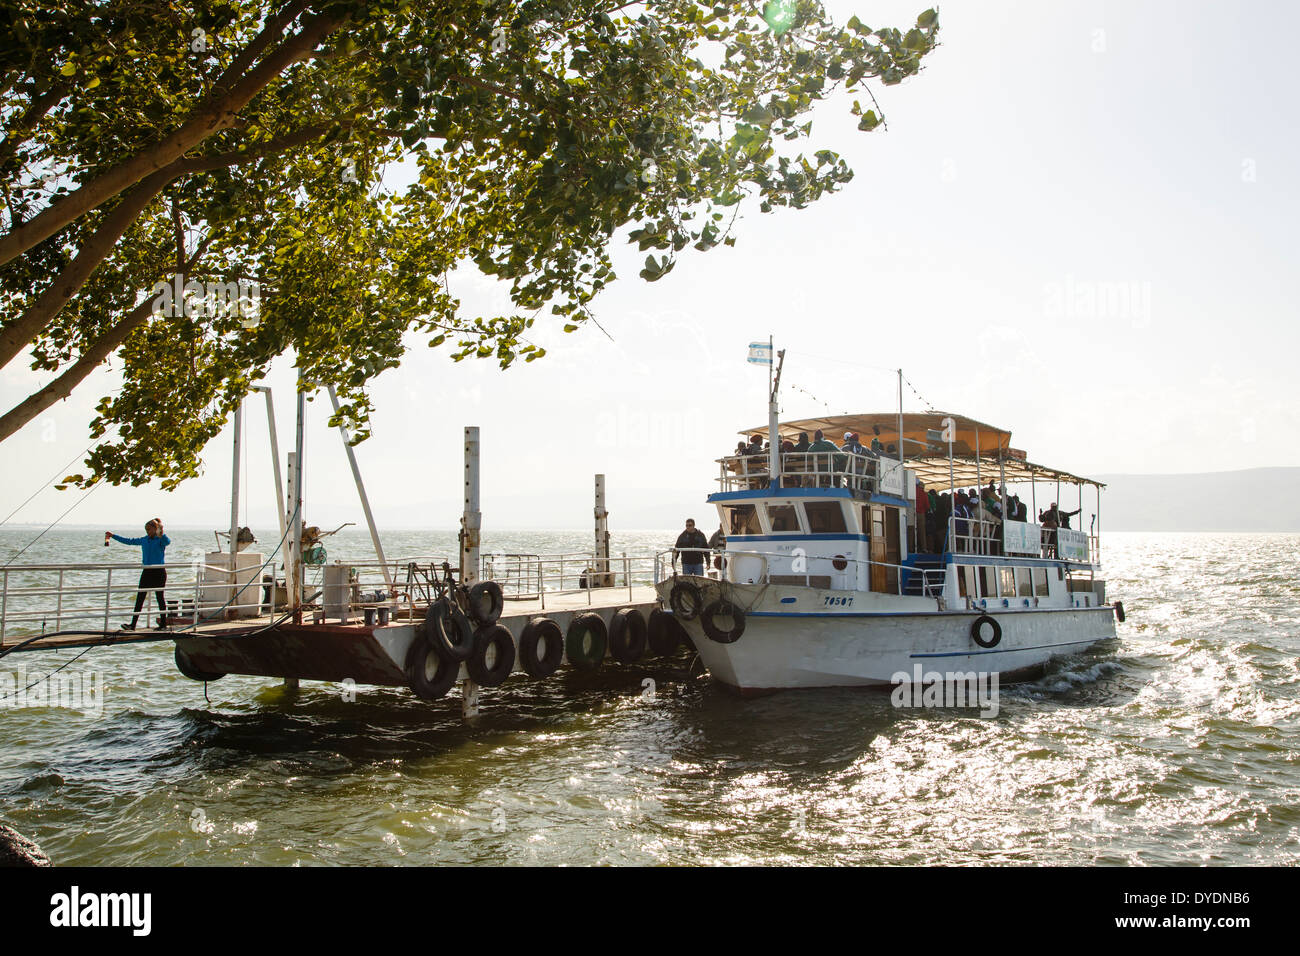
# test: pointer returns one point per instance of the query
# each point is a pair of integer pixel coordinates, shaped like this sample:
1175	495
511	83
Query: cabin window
784	518
1008	576
1040	582
825	517
1024	584
966	581
988	582
741	519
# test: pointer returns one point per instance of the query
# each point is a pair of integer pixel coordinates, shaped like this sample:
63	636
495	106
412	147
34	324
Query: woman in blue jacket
153	576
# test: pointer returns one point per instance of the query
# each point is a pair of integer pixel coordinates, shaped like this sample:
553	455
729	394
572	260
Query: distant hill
1256	499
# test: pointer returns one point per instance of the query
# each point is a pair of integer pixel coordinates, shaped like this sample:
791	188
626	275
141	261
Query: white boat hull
782	648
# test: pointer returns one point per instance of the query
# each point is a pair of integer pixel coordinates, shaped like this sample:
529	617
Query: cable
62	470
52	524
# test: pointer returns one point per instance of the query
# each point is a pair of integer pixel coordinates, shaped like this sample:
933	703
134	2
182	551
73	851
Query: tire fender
546	633
977	631
586	629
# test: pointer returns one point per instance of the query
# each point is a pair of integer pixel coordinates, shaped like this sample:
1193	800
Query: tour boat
825	581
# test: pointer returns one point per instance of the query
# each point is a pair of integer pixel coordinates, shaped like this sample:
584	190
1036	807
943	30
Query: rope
52	524
61	471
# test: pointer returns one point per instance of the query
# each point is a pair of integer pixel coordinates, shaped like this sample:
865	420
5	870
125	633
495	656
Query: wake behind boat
855	566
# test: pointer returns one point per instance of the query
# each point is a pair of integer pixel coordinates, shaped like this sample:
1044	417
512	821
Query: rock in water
17	850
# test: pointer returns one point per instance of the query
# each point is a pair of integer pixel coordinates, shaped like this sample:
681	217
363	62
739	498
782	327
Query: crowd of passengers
815	462
979	516
819	462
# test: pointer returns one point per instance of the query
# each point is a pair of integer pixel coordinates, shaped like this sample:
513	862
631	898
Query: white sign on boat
1071	545
1021	537
890	471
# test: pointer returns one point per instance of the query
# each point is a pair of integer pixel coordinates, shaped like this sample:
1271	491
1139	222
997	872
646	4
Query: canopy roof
927	454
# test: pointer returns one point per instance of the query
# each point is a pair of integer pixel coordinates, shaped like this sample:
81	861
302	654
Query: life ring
977	631
449	632
486	602
723	608
496	644
184	665
1119	611
627	636
586	640
685	599
664	633
428	673
544	633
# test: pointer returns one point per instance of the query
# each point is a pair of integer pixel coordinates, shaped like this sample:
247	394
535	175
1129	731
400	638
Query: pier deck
559	606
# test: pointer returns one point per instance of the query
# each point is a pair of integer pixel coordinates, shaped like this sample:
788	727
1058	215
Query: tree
149	152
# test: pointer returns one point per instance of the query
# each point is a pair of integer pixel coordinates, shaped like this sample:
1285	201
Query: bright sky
1079	226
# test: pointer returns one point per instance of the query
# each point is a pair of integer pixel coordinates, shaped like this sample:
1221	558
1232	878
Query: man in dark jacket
692	537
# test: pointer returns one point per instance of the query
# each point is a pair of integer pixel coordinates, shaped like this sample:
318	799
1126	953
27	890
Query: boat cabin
869	517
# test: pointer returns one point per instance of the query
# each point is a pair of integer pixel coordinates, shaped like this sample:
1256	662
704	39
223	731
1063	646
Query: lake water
1175	743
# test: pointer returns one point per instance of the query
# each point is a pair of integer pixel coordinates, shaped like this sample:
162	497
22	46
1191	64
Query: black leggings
151	579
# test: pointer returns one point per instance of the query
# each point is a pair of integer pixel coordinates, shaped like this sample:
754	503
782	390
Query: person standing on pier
153	576
692	537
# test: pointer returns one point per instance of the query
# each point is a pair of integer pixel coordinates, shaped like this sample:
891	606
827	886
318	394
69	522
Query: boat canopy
926	452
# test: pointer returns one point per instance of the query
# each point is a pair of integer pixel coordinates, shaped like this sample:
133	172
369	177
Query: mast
773	436
237	427
902	474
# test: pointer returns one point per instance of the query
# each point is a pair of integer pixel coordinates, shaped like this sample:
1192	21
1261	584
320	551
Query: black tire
1119	611
428	673
486	601
449	632
497	642
193	673
627	636
977	631
543	631
723	608
686	600
584	628
664	632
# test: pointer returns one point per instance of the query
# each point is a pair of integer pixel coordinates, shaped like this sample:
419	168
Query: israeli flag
760	353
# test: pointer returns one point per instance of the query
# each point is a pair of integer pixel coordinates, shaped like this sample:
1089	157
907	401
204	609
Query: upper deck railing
863	475
993	536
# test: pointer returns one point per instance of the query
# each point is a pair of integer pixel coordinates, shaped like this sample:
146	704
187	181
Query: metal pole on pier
471	528
361	491
237	427
601	570
275	456
293	560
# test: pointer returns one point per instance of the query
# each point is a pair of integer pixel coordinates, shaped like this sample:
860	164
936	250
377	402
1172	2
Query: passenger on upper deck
820	460
1054	517
876	446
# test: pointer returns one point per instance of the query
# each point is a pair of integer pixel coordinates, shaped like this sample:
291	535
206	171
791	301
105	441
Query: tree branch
90	359
217	114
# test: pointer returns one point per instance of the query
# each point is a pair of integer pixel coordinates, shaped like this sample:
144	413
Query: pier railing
41	599
37	598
